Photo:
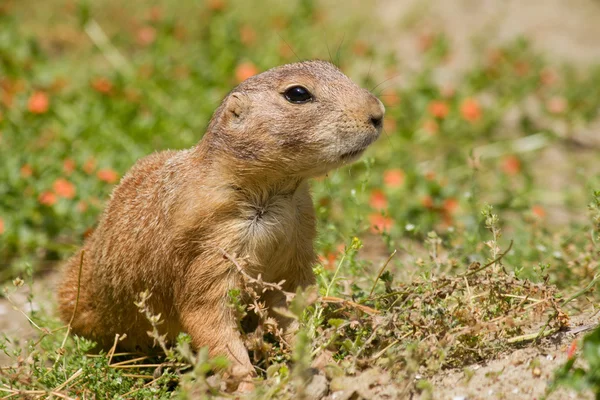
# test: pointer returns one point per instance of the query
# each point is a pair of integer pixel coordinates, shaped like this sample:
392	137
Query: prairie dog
242	189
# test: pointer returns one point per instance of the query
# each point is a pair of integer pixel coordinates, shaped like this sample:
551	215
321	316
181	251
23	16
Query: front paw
239	378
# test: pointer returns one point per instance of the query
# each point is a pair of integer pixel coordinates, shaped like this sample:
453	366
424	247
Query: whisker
382	91
338	49
387	80
328	50
288	45
389	138
369	71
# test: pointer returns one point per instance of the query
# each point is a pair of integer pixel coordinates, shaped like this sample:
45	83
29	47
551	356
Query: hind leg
73	297
75	303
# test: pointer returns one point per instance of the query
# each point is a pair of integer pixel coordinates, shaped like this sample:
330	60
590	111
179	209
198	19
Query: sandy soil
522	374
13	322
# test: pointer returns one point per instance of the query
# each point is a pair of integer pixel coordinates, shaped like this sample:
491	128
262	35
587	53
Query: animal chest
270	228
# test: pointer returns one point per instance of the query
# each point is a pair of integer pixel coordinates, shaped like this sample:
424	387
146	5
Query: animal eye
298	95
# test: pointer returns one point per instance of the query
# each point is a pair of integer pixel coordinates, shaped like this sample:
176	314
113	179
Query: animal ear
237	106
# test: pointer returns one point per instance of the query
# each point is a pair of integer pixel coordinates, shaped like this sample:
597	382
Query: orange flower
146	35
511	165
1	226
378	200
450	205
556	105
155	14
6	98
47	198
89	166
279	22
522	68
380	223
360	48
390	98
108	175
181	72
180	32
26	171
430	176
538	211
102	85
328	261
430	126
495	56
438	109
285	51
393	178
447	219
247	35
68	166
318	16
548	77
389	125
58	84
64	188
427	201
82	206
132	95
425	40
572	349
470	110
38	103
244	71
216	5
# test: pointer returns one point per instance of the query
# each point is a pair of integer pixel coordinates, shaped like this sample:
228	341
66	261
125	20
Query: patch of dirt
522	374
13	323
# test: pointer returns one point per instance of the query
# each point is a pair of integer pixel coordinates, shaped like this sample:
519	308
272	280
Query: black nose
377	121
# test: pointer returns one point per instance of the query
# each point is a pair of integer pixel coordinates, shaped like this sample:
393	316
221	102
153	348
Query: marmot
243	190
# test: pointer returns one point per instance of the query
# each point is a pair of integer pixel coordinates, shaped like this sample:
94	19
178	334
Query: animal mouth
353	153
360	148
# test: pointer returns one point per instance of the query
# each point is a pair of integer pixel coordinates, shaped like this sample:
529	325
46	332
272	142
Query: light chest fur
271	230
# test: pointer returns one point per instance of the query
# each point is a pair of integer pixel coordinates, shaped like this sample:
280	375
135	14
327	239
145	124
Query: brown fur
243	189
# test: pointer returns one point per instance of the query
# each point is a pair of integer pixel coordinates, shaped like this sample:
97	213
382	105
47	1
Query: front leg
216	328
207	318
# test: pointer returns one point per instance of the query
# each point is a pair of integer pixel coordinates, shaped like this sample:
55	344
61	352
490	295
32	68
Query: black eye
298	95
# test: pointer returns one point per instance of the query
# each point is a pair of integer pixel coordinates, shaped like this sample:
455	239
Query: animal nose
377	121
376	111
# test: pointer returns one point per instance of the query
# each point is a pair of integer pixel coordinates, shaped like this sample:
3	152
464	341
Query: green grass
460	175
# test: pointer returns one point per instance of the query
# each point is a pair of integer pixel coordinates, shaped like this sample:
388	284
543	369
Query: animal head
300	119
